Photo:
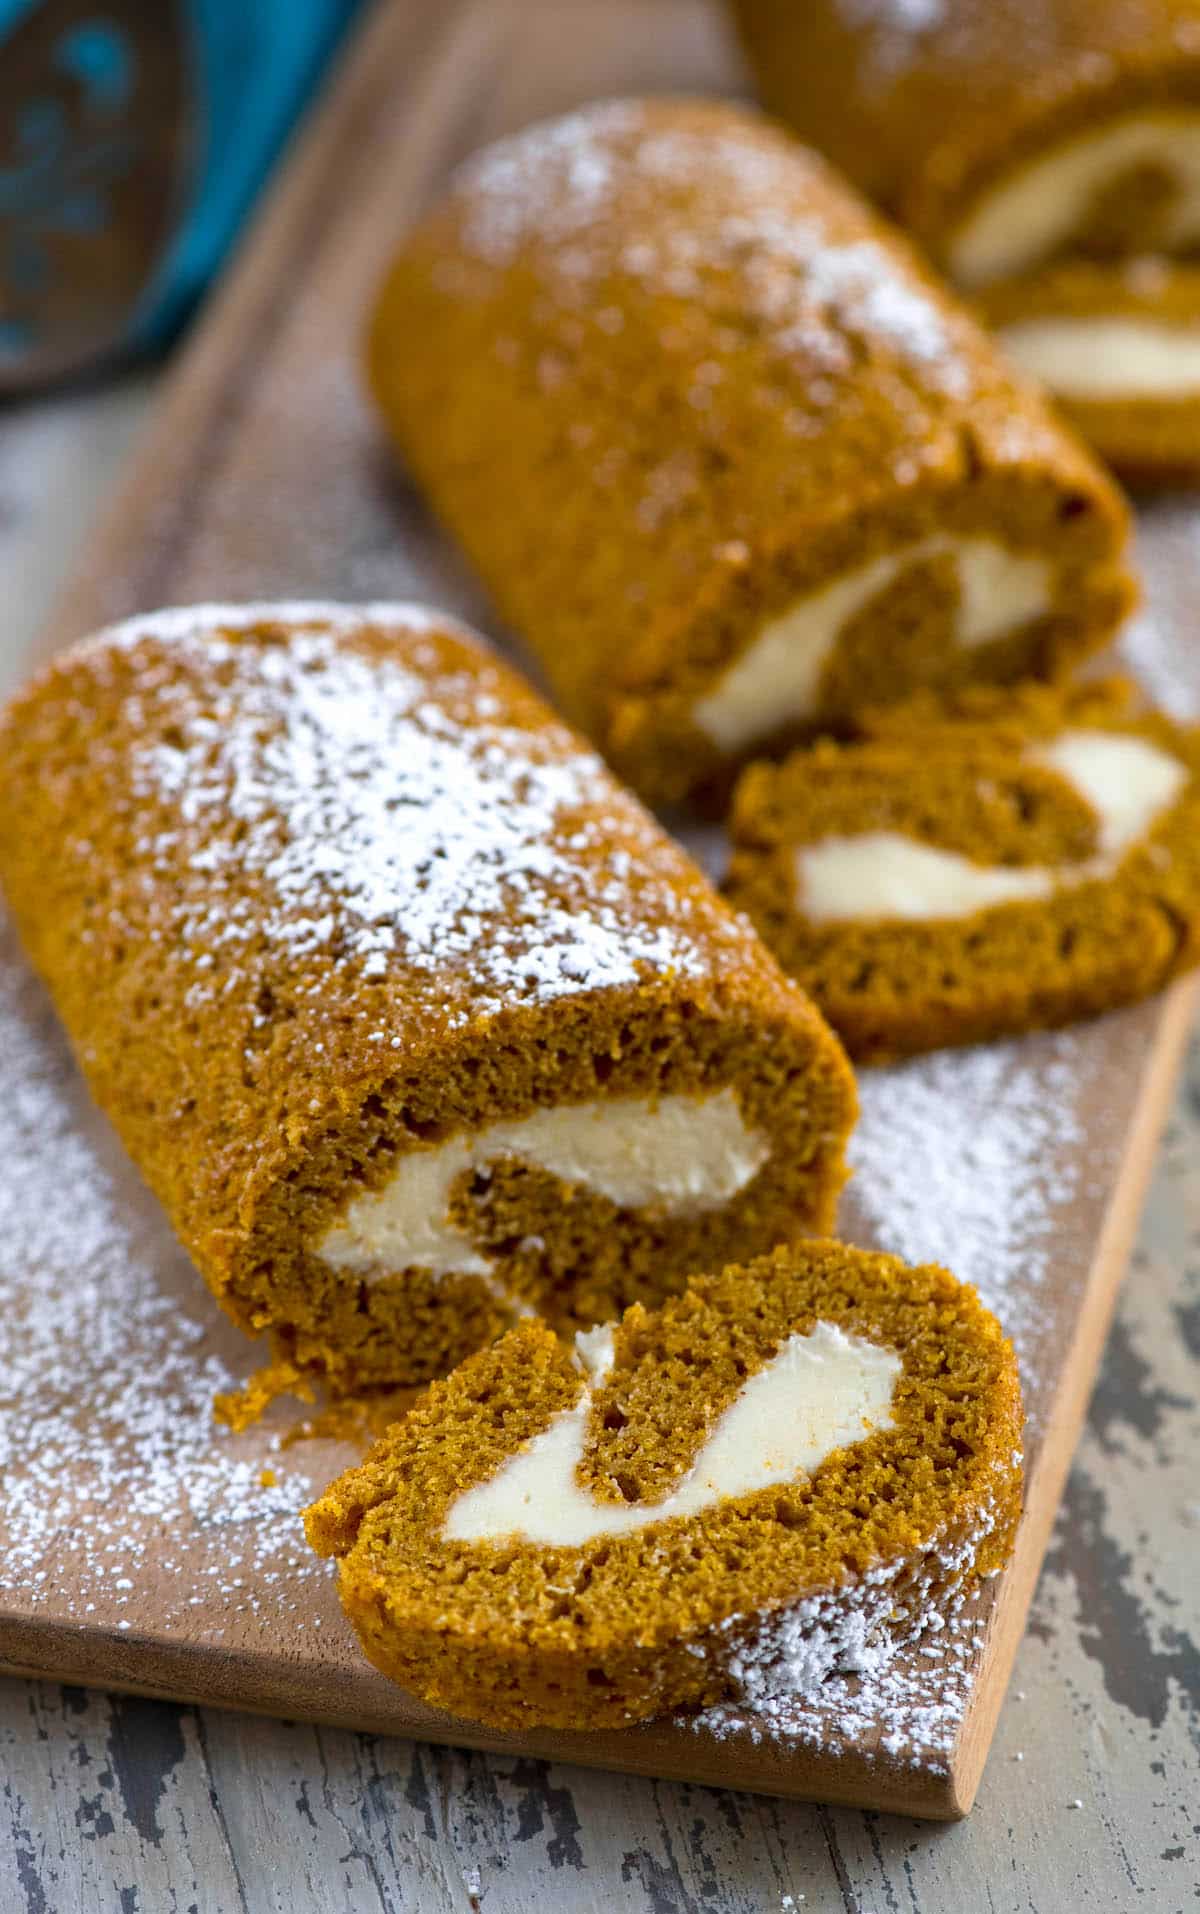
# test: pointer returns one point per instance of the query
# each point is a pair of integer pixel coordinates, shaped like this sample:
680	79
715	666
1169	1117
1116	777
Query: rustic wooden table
1090	1799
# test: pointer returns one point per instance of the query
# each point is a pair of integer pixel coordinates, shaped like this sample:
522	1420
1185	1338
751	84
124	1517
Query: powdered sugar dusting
895	16
555	179
340	807
909	1704
1150	647
895	31
587	193
905	16
886	1660
114	1473
968	1158
174	624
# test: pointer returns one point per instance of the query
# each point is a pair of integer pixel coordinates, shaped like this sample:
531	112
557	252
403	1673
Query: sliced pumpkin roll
968	870
789	1469
1046	153
728	457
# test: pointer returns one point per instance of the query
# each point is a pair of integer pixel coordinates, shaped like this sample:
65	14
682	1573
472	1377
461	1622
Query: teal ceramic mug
133	136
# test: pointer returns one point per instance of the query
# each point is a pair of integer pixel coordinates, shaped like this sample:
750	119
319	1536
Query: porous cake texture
787	1470
1047	154
965	870
723	451
413	1019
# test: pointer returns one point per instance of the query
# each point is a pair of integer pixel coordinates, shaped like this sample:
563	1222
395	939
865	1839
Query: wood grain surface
262	474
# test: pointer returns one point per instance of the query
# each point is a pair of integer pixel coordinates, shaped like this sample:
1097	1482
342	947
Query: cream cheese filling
1129	784
776	680
1032	214
681	1155
1107	356
820	1392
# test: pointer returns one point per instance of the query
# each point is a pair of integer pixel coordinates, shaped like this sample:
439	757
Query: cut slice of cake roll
1121	352
963	871
1018	137
410	1015
723	451
789	1469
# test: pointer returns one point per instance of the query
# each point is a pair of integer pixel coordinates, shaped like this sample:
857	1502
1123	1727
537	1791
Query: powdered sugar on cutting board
117	1484
968	1158
911	1702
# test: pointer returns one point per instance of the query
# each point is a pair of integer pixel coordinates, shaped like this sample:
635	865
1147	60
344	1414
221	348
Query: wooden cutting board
140	1547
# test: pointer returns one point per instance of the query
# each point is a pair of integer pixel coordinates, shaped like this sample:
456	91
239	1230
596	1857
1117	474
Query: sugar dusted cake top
586	194
364	791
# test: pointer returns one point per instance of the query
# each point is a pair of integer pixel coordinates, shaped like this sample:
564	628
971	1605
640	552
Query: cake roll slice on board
1121	353
1008	861
1017	138
790	1469
725	454
408	1013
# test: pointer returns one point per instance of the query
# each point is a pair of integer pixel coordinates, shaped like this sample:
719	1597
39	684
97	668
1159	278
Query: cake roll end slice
1119	346
1007	861
1046	158
1097	295
790	1469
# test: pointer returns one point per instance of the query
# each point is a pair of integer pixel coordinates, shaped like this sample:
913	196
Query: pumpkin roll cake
789	1469
723	451
1011	860
412	1018
1019	138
